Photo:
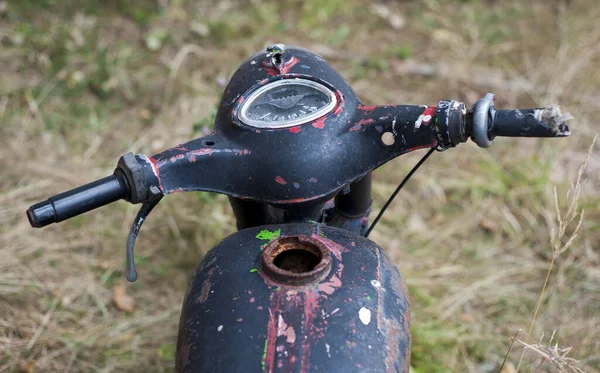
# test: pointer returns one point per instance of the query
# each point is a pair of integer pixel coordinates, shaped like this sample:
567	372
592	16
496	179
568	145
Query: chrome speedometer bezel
243	112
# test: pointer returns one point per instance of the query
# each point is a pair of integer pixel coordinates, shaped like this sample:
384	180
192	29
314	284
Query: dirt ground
83	82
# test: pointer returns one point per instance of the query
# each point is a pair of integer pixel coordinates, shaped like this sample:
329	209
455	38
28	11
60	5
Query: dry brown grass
469	232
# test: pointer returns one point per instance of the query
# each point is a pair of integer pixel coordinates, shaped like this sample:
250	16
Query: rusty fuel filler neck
280	100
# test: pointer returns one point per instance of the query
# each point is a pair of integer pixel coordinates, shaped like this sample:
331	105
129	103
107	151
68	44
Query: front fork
348	210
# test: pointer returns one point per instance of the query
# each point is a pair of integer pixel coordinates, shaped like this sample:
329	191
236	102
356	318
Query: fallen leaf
488	225
508	368
123	301
465	317
28	366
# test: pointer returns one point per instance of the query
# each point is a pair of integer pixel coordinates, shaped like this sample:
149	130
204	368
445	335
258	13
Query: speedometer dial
287	103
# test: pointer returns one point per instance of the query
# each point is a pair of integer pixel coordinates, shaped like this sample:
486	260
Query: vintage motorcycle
299	288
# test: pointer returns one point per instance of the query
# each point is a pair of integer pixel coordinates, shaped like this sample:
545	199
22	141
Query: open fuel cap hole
296	260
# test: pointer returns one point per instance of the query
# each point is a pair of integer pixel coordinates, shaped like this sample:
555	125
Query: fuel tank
295	298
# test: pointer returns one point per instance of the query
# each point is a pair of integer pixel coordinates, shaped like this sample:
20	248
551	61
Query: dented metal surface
354	319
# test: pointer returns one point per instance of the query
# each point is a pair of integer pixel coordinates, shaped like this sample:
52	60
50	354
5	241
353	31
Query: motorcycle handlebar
136	176
484	122
77	201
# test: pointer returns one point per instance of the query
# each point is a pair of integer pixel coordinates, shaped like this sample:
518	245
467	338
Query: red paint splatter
252	300
200	152
319	123
176	157
280	180
360	123
353	243
338	110
155	167
178	147
311	304
428	114
269	358
178	190
295	129
281	69
367	107
242	99
263	82
246	151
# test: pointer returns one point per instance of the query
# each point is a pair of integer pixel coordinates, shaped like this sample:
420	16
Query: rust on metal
296	260
205	292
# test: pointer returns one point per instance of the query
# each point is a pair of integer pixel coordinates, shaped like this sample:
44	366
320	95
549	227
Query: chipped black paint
289	158
248	324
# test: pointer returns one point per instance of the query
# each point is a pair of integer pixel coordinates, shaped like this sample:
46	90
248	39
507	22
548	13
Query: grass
82	84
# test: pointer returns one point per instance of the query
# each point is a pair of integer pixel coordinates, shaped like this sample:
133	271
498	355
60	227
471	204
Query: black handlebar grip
77	201
538	122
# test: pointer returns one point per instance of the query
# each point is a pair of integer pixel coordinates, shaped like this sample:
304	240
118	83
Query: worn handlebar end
77	201
537	122
41	214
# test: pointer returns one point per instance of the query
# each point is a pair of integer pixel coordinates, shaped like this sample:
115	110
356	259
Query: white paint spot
364	315
220	328
419	121
388	138
376	283
252	62
334	311
327	349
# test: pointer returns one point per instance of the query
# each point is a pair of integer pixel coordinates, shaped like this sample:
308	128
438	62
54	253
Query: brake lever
142	215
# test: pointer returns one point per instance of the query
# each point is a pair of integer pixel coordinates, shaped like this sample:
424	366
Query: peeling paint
362	122
288	331
367	107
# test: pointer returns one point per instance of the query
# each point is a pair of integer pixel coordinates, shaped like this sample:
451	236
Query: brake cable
406	178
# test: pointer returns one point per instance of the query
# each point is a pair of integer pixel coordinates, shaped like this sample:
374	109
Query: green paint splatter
368	297
254	270
267	235
323	235
313	221
265	354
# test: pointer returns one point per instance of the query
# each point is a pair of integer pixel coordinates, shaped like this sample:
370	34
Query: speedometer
287	103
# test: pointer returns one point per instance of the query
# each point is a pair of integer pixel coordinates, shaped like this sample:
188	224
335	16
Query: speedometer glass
286	103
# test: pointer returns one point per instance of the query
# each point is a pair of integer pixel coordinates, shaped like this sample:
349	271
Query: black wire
389	201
